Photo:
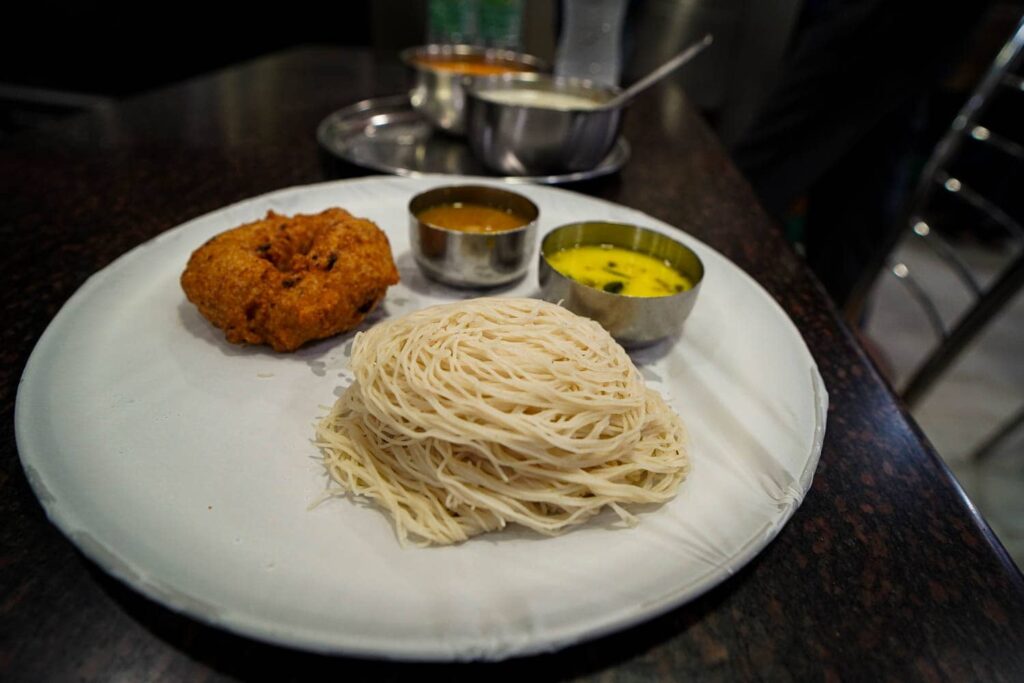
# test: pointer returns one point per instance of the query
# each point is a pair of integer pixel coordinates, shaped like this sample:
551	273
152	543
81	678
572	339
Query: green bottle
500	23
452	22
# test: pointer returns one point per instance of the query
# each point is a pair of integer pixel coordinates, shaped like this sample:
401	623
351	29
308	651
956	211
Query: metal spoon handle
659	73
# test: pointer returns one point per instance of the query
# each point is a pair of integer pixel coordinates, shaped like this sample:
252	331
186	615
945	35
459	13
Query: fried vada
284	281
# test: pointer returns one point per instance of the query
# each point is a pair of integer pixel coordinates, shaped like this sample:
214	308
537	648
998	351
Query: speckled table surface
884	573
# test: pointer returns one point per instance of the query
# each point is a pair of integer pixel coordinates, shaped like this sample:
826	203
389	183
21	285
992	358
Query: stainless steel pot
536	124
439	94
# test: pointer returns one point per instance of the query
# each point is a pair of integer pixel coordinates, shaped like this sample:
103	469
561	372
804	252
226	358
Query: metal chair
970	135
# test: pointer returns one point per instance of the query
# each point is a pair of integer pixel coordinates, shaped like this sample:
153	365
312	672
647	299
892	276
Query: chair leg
1009	283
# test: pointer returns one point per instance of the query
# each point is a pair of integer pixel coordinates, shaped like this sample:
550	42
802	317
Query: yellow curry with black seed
619	271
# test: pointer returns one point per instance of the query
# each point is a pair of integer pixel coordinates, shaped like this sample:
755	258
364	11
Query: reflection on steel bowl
632	320
536	124
438	75
454	247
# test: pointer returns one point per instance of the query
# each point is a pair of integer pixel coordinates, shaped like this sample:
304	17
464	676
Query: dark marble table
885	573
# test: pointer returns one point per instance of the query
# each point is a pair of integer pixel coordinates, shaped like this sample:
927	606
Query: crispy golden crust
285	281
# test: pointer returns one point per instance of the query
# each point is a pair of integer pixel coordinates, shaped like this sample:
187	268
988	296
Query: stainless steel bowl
468	259
530	139
632	321
439	94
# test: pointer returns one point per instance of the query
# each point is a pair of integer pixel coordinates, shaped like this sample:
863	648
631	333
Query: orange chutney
470	67
471	218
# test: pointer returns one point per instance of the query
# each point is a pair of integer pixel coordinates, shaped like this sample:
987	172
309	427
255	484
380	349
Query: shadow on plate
200	328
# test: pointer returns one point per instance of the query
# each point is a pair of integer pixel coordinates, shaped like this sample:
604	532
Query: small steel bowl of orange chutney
438	74
472	235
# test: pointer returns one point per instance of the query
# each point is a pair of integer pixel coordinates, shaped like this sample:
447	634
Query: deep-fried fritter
285	281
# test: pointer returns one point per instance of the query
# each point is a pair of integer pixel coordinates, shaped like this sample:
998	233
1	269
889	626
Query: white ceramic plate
183	465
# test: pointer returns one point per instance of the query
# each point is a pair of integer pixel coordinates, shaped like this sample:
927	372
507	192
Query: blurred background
839	113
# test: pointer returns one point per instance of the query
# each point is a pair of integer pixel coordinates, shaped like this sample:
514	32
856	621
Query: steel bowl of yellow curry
639	284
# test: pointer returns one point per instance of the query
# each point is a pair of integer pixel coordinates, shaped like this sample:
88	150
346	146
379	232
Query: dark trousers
838	128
